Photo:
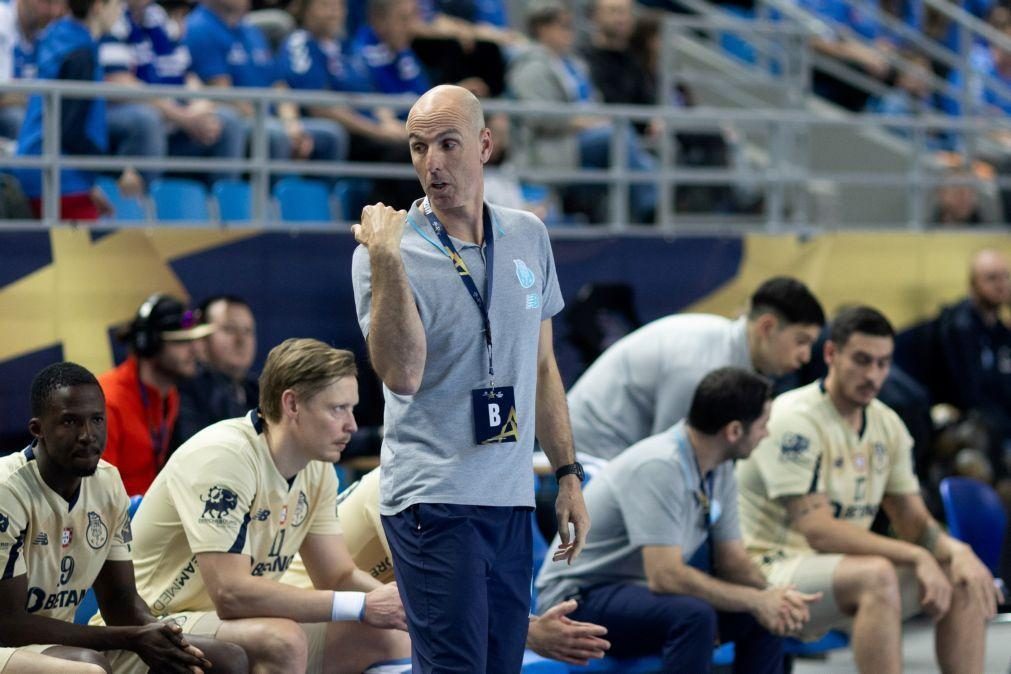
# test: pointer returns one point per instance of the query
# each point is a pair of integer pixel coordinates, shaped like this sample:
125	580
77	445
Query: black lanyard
483	303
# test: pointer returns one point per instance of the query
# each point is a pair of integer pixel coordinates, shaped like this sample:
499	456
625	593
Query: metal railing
785	174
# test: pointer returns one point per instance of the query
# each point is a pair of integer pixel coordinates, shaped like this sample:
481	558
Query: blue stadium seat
975	516
89	605
830	642
177	199
234	199
131	209
300	200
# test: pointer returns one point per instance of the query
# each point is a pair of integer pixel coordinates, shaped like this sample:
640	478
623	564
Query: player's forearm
552	416
396	340
691	582
743	573
255	597
834	536
28	629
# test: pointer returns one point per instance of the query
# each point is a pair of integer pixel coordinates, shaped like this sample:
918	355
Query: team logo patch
218	502
301	509
523	273
879	457
860	462
66	537
794	446
97	533
262	515
127	534
41	539
4	523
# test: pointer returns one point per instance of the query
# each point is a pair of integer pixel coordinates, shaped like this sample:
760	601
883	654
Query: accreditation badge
494	415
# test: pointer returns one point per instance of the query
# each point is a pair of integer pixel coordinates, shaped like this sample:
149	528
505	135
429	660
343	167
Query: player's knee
228	658
879	582
280	642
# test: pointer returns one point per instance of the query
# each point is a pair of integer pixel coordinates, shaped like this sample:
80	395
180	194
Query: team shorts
814	573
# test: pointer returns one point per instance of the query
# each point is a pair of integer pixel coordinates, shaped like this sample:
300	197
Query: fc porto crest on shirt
301	509
523	273
97	533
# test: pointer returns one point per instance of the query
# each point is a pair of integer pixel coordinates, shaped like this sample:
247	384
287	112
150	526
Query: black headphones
145	340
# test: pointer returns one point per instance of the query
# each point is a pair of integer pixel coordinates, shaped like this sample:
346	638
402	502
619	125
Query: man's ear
733	431
289	404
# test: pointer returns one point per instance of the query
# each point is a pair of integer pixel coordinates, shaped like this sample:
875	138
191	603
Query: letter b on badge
494	415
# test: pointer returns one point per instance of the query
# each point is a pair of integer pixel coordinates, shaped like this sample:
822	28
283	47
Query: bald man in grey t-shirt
643	383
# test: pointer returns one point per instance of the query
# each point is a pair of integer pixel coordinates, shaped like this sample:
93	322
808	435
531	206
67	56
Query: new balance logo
41	539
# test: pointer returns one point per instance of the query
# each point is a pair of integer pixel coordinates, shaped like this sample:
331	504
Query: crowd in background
407	46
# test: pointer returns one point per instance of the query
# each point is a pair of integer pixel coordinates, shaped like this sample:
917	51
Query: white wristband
348	606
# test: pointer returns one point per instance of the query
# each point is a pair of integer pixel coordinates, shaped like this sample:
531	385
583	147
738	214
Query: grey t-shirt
647	496
428	453
644	382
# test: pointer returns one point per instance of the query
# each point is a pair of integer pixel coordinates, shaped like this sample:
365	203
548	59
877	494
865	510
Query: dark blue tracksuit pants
683	629
464	576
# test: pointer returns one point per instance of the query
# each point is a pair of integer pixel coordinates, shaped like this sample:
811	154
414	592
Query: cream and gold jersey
60	545
358	509
811	449
221	492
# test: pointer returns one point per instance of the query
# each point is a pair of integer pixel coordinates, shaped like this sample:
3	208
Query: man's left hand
569	507
556	636
967	571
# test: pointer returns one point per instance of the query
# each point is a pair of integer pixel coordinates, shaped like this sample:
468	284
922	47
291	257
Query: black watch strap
571	469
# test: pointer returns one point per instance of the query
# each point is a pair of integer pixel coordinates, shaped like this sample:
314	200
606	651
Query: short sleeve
209	54
651	516
361	282
728	526
551	292
901	479
325	520
13	527
122	535
789	460
213	500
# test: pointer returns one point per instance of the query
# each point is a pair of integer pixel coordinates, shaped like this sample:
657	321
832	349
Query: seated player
224	518
809	493
659	507
65	527
552	635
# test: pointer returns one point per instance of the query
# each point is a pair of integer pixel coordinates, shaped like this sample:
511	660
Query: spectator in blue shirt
140	50
24	22
67	50
230	52
313	57
385	46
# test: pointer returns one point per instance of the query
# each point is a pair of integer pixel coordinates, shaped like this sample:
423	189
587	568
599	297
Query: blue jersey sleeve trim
13	557
240	540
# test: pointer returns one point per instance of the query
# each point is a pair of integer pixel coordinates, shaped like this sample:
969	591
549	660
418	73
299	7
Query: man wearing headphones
140	394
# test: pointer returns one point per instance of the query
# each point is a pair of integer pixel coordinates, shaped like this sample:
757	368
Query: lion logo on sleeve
218	502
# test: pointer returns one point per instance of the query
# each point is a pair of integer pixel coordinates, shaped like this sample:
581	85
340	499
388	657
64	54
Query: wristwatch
571	469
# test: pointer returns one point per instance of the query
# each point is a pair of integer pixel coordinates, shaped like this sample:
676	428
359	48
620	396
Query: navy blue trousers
464	577
683	629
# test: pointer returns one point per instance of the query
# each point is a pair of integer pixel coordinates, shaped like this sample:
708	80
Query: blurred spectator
963	357
958	202
617	73
21	23
846	32
501	177
141	398
229	52
223	388
701	148
549	72
140	50
314	57
384	44
67	50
